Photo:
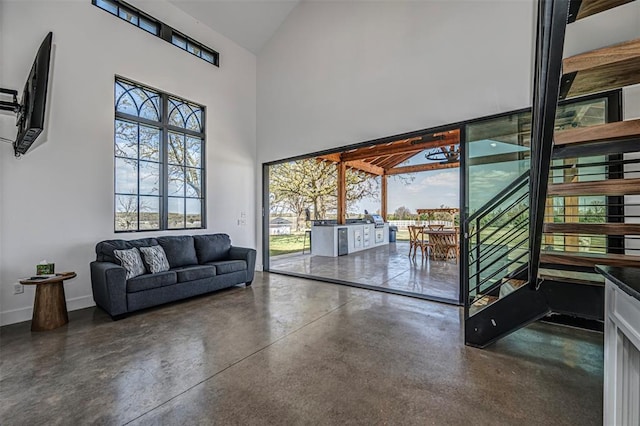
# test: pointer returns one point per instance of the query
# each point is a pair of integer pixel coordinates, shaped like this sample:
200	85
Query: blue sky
427	190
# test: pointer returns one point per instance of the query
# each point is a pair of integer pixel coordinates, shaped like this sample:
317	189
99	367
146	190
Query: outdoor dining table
441	241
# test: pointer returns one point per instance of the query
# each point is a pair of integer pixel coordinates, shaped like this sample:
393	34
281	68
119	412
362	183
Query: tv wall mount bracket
10	106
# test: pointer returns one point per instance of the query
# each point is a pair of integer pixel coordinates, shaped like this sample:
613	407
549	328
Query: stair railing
498	244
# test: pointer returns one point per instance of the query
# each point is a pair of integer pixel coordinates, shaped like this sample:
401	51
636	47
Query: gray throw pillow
131	261
155	259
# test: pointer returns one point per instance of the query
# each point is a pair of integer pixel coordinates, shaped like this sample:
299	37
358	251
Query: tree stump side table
50	305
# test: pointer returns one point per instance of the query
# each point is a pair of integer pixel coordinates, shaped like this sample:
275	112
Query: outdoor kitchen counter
360	236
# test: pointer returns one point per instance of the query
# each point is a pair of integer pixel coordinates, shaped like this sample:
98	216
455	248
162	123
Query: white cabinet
621	357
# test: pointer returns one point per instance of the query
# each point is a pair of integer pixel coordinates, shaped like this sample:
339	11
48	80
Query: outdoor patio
387	267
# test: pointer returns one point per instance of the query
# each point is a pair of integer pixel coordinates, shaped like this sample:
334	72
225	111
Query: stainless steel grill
376	219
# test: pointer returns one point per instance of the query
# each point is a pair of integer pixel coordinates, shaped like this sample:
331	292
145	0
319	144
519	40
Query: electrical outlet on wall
18	289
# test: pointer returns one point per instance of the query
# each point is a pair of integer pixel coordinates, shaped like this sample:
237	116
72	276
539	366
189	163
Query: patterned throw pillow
155	259
131	261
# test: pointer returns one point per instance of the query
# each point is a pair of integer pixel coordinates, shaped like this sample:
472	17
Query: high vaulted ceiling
250	23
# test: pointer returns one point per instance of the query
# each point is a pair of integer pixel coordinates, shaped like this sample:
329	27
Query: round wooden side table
50	305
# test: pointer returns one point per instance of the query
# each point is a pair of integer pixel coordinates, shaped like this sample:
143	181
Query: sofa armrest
109	285
248	255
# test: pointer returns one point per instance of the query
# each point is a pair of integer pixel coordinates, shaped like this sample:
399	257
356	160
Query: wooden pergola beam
342	193
398	148
422	168
383	197
335	157
365	167
360	165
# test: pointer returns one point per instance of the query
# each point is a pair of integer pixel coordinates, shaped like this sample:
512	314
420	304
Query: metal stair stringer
506	315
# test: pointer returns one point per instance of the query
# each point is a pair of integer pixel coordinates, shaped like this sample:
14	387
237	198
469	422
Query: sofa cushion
104	249
150	281
191	273
212	247
180	250
154	259
229	266
131	261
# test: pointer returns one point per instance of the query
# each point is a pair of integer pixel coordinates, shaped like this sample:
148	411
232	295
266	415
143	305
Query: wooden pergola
384	160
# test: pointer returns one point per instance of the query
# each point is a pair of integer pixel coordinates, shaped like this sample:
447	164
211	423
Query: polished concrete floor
387	267
294	351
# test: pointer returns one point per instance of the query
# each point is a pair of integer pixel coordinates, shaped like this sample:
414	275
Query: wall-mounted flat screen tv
34	99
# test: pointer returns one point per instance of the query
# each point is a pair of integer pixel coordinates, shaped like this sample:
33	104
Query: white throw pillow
155	258
131	261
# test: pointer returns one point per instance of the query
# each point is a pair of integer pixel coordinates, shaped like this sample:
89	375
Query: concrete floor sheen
388	267
294	351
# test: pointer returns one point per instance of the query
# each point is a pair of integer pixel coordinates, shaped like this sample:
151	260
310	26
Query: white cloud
436	181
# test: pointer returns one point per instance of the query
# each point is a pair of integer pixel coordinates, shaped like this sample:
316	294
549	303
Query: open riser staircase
532	249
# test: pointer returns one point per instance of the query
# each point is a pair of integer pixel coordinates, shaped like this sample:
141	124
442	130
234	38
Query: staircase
532	249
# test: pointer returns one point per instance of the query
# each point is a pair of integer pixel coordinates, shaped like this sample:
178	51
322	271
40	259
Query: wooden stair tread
592	7
604	132
602	69
480	303
593	228
603	187
588	259
574	277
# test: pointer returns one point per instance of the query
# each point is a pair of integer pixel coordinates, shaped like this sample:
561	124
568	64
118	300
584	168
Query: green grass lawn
292	243
283	244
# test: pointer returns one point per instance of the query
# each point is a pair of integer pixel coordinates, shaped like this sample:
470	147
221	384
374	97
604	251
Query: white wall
339	73
57	201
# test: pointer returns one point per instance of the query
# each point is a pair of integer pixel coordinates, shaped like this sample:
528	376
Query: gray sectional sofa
198	264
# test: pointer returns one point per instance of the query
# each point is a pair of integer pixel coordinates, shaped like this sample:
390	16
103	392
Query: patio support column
342	193
383	197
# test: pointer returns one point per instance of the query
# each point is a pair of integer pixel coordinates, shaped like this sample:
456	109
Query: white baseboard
24	314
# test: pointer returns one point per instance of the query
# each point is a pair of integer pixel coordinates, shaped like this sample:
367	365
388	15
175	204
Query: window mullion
138	177
164	162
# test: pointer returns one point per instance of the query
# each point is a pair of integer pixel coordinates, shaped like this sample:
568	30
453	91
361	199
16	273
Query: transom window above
159	167
145	22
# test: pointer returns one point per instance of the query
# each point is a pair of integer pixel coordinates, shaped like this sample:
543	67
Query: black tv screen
34	99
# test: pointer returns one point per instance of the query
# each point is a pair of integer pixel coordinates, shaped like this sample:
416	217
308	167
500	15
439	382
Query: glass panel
192	48
126	139
149	178
175	152
194	213
128	16
148	26
194	152
497	153
193	180
126	176
149	213
123	100
149	143
108	6
137	101
176	213
176	181
126	213
179	41
581	114
207	56
182	114
150	106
